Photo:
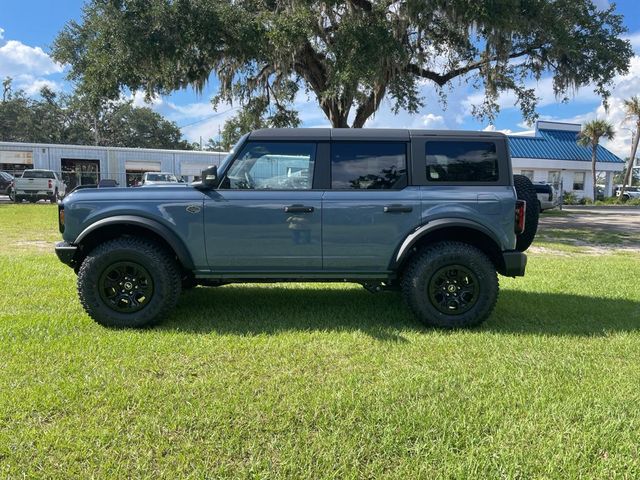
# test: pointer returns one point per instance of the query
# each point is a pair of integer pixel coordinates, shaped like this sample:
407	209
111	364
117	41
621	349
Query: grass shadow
563	314
255	310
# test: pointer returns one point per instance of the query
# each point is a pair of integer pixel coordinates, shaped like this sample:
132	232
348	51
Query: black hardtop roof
372	134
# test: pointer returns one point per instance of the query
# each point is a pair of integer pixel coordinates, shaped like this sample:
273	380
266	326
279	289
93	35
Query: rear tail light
50	184
521	212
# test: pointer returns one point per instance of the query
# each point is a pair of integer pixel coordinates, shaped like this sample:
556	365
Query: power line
208	117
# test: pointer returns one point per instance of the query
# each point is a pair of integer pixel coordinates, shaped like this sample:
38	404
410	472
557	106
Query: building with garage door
551	154
81	165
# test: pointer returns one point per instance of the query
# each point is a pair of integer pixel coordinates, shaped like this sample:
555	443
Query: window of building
273	166
527	173
79	172
553	177
578	181
14	163
462	161
369	166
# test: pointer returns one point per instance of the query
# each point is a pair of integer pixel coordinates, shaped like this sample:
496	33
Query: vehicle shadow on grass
267	310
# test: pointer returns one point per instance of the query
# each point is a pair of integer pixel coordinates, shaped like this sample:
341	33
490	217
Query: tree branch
442	79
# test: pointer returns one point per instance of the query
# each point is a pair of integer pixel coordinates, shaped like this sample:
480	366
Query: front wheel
128	282
451	285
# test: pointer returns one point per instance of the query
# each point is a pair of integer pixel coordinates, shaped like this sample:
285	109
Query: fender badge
193	209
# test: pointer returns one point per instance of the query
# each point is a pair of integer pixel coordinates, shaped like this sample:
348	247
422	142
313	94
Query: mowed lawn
319	380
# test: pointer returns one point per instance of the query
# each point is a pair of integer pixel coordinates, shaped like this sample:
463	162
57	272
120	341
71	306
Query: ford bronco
434	214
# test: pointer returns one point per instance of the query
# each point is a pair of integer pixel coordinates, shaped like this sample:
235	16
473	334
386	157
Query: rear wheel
451	285
128	282
526	191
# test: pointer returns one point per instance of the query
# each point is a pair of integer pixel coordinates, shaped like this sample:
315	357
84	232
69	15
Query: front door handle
298	209
396	208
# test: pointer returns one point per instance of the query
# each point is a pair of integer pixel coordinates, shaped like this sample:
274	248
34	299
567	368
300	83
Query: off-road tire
526	191
423	272
158	263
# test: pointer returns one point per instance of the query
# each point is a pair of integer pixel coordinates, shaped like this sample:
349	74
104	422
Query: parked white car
629	193
159	178
37	185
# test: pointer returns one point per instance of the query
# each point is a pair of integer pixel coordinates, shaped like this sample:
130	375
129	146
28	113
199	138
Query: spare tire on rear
525	191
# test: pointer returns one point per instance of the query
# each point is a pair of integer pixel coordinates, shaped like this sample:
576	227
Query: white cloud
1	33
32	87
16	58
207	128
433	121
634	39
625	86
190	110
139	100
492	128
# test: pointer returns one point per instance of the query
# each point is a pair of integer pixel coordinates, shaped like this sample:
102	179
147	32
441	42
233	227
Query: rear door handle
298	209
397	208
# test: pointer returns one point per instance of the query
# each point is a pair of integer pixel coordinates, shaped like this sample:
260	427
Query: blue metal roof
557	145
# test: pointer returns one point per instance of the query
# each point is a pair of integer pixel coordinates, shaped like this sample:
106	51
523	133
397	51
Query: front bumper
514	263
67	253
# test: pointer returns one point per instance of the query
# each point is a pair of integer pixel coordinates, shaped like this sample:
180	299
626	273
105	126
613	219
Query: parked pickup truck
37	185
435	215
629	193
547	197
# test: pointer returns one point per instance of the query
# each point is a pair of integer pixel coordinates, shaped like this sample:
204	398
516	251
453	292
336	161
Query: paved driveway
596	225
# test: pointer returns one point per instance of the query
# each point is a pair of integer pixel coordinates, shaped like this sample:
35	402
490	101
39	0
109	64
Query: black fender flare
410	240
170	237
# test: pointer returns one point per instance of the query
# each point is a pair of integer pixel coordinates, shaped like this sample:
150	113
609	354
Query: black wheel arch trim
410	240
171	238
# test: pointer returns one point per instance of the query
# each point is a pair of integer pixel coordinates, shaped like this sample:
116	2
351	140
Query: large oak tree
349	55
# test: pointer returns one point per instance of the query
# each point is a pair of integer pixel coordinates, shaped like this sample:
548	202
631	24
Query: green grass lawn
319	380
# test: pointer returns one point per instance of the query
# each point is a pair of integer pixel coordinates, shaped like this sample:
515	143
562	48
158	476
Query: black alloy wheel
126	287
453	290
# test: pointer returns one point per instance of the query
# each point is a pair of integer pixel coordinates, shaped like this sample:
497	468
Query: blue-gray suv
433	214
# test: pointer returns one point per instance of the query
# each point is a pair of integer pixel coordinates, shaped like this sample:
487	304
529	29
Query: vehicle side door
266	215
369	208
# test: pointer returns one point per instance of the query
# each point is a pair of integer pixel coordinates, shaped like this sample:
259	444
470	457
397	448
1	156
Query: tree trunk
628	178
593	169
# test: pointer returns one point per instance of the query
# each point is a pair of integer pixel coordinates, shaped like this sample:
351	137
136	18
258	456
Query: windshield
37	174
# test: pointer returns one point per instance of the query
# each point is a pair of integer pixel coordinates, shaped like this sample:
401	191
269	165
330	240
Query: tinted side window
371	165
272	165
462	161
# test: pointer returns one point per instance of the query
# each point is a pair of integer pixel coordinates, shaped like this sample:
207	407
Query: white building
551	154
81	164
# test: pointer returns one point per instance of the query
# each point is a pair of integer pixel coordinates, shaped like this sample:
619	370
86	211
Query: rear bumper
67	253
514	263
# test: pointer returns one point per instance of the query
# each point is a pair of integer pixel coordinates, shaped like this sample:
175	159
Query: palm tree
632	113
590	135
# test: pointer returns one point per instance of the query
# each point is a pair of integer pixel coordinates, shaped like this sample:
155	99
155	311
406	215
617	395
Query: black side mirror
209	178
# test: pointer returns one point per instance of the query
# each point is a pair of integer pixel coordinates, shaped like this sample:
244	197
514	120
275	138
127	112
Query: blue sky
28	28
